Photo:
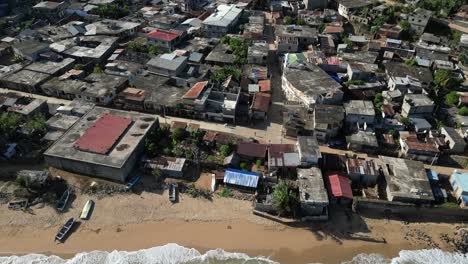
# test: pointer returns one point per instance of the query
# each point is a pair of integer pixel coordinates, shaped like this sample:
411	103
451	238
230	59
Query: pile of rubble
459	241
103	190
420	237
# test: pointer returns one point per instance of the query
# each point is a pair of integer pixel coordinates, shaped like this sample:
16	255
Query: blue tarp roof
462	179
241	178
432	175
464	198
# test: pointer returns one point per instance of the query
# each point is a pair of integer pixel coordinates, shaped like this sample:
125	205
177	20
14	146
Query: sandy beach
146	219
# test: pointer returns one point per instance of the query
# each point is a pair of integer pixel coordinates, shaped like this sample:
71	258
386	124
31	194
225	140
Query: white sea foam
423	256
167	254
173	253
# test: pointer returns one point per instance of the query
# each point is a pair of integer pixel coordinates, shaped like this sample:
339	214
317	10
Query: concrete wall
395	210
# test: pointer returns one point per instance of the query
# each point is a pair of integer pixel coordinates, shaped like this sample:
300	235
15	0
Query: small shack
340	188
242	180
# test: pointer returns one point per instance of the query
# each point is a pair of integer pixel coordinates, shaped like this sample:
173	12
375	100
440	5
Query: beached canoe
87	210
62	203
132	182
172	192
64	230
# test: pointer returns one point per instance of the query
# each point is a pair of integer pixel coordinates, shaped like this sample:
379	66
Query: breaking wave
173	253
423	256
167	254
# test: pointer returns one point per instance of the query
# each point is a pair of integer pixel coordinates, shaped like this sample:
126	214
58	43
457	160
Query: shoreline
286	245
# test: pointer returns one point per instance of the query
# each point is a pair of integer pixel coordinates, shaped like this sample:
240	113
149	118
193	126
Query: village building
168	166
258	53
406	181
328	121
310	85
359	112
86	49
340	188
362	141
291	38
456	143
251	151
28	108
30	49
282	157
260	105
459	183
242	180
120	29
166	38
415	148
365	172
220	55
417	105
313	196
222	21
51	10
297	120
104	143
361	71
168	64
308	150
419	19
348	7
315	4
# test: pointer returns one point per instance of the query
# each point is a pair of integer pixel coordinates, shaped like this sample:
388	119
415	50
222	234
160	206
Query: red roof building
195	91
251	150
339	185
105	132
261	102
165	38
265	86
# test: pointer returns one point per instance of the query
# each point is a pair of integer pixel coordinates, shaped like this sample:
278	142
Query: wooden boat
87	210
132	182
18	205
62	203
64	230
172	192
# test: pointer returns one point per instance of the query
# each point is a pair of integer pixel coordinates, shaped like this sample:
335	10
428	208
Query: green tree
137	45
463	58
178	134
411	62
405	25
97	69
322	27
258	164
378	100
405	121
283	198
463	111
37	125
112	11
154	49
225	150
78	66
444	79
287	20
301	21
451	98
243	166
9	122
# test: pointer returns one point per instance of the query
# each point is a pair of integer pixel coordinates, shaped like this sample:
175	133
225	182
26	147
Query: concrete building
359	112
455	142
362	141
348	7
51	10
459	183
313	196
365	172
166	38
310	85
120	29
308	149
417	105
258	53
30	49
86	49
168	64
315	4
415	148
406	181
169	166
419	19
361	71
105	143
222	21
292	38
328	120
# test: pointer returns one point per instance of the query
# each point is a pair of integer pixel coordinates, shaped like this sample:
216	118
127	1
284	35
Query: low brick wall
408	212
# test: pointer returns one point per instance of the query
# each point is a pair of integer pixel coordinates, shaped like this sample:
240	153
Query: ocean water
173	253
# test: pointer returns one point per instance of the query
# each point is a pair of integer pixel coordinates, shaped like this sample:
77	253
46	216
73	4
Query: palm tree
283	198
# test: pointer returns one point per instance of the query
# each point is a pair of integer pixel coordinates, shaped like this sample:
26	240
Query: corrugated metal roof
340	186
241	178
100	137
